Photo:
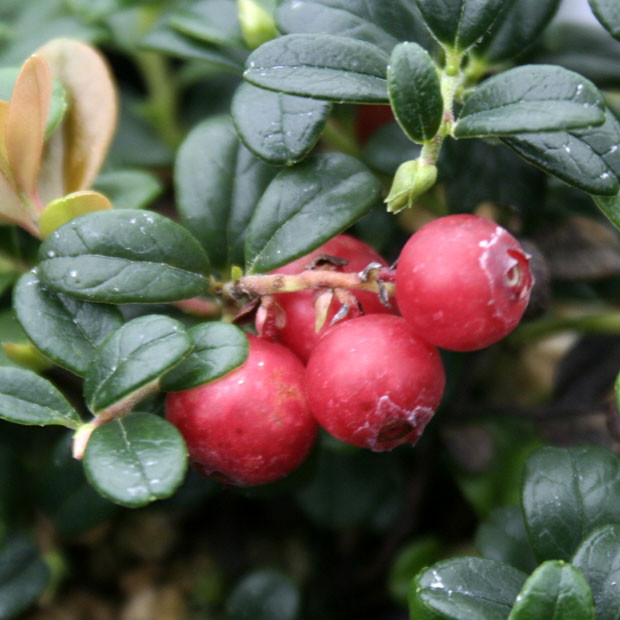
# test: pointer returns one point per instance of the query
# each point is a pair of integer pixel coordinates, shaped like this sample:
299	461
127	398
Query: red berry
299	333
252	425
373	382
368	118
463	282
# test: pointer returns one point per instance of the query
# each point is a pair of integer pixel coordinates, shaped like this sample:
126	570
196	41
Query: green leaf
136	459
519	24
10	331
530	98
415	92
598	558
66	330
218	349
322	66
305	206
554	590
129	189
218	183
26	398
502	537
131	359
460	23
567	492
608	13
389	147
124	256
610	206
213	21
23	576
467	588
281	129
264	595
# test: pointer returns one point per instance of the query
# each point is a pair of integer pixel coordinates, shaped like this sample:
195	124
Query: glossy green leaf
129	189
26	398
466	588
608	13
124	256
567	492
530	98
554	590
305	206
460	23
264	595
136	459
218	183
519	24
415	92
131	359
598	558
66	330
503	537
281	129
23	575
322	66
218	349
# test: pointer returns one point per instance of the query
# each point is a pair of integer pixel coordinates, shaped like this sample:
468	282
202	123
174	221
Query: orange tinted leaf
4	159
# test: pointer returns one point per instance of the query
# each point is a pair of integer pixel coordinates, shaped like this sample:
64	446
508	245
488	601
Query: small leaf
129	189
530	98
610	206
131	359
218	349
598	558
66	330
460	23
23	575
63	210
608	13
218	183
26	398
322	66
554	590
567	492
467	588
26	355
415	93
305	206
136	459
124	256
281	129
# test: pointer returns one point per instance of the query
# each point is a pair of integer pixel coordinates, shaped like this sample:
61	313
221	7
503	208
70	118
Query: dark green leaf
608	13
323	66
598	558
124	256
281	129
531	98
502	537
26	398
128	189
467	588
519	24
554	590
305	206
66	330
136	459
567	492
610	206
132	358
10	331
264	595
218	183
23	576
218	349
415	92
388	147
460	23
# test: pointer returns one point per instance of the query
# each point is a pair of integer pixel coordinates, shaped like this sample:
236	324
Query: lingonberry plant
197	267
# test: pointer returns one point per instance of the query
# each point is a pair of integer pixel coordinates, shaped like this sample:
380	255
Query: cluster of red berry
374	381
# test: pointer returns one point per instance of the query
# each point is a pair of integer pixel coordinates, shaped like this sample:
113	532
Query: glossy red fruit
463	282
299	333
373	382
251	426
